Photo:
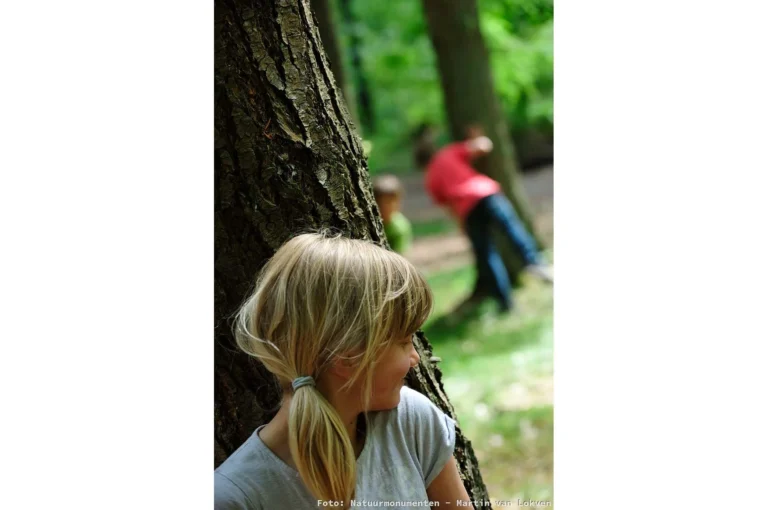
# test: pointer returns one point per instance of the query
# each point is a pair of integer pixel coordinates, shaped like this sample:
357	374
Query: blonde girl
333	318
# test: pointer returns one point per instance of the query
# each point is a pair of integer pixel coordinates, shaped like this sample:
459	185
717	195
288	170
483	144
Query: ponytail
321	447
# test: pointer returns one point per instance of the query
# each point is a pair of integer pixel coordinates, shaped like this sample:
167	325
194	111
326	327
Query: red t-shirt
452	181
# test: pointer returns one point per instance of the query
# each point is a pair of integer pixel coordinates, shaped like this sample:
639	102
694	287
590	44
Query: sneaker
541	272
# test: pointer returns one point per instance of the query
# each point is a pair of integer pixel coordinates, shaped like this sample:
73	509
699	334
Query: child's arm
448	488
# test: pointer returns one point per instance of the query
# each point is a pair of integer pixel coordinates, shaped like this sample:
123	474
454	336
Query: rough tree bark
469	97
286	160
327	26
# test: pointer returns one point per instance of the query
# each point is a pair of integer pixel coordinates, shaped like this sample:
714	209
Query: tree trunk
469	96
327	27
361	83
286	160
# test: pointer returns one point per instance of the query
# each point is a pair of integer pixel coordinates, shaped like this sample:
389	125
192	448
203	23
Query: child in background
388	191
333	319
476	202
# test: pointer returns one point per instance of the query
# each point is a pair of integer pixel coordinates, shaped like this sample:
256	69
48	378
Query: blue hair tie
307	380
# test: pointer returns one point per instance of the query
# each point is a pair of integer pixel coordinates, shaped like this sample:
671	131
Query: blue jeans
491	272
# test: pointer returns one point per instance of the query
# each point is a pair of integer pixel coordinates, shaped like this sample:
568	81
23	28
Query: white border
106	203
660	193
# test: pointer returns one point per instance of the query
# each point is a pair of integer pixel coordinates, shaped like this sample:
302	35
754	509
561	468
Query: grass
497	371
433	227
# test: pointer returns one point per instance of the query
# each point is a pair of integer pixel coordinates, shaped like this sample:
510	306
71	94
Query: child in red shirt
477	202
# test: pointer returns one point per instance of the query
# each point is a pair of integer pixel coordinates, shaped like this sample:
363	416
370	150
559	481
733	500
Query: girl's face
390	371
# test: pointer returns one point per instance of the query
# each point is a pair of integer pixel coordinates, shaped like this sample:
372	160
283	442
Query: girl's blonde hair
321	297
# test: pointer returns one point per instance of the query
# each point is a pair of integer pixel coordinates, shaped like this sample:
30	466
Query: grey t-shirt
405	449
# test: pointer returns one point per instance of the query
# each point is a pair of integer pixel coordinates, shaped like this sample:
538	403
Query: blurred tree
470	99
365	99
327	26
286	160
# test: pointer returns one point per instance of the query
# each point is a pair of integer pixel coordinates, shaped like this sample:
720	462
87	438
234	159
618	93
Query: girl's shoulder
416	429
253	475
413	403
416	415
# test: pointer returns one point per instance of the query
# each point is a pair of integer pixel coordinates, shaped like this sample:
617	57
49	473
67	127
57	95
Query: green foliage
399	64
523	72
521	17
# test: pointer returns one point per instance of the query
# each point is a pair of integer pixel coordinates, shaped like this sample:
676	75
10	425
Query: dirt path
446	251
